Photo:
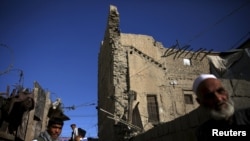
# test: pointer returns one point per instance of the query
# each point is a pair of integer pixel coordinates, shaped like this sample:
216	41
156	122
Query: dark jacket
44	136
238	126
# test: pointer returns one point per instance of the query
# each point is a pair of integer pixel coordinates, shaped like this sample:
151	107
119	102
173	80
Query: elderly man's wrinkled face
213	97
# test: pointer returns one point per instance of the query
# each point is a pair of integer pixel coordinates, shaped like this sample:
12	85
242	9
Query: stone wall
150	72
108	84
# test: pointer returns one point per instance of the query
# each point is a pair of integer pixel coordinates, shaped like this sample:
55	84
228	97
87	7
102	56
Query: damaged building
24	112
145	89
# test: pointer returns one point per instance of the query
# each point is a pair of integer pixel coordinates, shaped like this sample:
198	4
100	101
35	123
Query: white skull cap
200	79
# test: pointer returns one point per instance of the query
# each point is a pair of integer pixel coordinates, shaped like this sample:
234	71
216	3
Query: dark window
188	99
153	115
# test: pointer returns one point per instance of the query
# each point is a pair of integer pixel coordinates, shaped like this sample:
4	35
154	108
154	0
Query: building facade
142	84
24	113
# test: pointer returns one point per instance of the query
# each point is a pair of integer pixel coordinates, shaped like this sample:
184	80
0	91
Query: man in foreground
224	121
53	131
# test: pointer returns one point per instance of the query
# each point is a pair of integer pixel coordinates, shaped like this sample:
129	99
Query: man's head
55	126
81	134
73	126
212	96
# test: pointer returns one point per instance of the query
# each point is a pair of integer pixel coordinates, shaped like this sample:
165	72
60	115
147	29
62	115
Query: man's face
55	130
73	127
214	98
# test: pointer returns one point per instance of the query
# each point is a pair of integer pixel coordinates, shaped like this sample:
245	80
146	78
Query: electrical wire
10	66
219	21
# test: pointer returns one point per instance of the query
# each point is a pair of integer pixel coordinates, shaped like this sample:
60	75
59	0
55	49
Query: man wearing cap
214	98
53	131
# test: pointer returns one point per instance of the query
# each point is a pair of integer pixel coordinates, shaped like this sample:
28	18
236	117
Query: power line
83	105
240	41
82	116
73	107
218	22
10	66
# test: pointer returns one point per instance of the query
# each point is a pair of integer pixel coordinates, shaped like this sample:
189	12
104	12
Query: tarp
231	65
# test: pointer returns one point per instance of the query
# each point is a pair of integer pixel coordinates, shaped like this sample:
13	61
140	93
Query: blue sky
56	42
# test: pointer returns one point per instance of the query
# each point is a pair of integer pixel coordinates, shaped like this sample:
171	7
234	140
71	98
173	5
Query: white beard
225	112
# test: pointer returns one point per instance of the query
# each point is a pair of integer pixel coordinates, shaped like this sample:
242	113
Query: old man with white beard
214	98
